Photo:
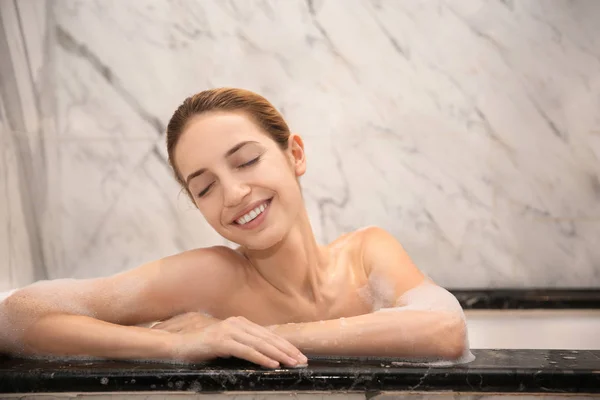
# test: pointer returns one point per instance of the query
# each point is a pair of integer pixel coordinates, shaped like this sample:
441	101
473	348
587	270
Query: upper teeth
251	215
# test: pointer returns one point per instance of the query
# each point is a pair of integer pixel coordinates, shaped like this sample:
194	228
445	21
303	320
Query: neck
296	264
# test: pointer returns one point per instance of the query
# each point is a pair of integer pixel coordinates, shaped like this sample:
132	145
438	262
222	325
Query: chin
262	241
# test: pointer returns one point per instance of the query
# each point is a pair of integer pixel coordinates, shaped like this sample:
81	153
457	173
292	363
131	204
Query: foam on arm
428	296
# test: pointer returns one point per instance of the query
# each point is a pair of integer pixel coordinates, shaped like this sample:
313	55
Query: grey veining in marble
298	396
468	129
23	178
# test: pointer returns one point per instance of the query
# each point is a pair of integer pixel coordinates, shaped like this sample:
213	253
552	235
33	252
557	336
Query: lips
250	208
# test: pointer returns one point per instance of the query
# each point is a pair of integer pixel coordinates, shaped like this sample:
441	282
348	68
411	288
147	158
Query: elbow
453	343
10	305
455	351
20	309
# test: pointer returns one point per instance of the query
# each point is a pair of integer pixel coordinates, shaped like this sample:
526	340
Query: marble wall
468	129
23	172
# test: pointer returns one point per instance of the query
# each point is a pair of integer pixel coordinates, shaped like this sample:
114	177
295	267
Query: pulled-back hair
256	107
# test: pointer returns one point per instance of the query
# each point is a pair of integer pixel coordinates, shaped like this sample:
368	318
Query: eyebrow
229	153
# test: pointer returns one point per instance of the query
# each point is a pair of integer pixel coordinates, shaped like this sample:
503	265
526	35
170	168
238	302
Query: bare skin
342	278
275	298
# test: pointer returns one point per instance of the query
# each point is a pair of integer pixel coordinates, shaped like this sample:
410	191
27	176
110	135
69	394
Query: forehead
207	137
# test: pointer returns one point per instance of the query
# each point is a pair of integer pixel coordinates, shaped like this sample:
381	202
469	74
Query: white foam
467	357
70	296
379	292
4	295
428	296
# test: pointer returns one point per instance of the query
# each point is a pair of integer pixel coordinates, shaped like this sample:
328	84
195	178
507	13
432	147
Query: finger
275	340
285	346
245	352
264	347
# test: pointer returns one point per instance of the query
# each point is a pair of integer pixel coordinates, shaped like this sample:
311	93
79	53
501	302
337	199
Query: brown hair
263	113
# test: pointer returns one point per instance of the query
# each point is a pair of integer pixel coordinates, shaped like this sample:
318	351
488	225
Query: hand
191	321
238	337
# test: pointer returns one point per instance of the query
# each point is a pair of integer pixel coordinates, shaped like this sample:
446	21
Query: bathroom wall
468	129
24	167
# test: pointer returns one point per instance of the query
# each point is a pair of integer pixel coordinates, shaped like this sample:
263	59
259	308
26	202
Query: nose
234	192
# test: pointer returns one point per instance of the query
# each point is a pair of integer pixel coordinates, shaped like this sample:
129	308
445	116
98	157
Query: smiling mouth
253	214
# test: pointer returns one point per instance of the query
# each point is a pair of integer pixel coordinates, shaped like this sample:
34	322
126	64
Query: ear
297	155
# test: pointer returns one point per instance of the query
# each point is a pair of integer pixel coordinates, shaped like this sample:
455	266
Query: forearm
63	335
76	335
406	333
30	326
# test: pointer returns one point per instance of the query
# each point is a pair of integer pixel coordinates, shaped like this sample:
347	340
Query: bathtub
559	329
523	368
534	329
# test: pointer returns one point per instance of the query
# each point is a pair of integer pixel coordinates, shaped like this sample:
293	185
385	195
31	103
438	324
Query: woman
274	299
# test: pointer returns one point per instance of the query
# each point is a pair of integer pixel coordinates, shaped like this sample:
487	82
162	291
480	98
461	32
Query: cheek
280	173
209	210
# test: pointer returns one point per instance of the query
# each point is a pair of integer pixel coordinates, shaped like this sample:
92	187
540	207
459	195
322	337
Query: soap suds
428	296
378	292
22	307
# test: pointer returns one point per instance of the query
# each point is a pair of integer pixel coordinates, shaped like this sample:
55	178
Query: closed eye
202	193
244	165
249	163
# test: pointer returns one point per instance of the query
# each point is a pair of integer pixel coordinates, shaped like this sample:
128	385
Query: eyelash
245	165
249	163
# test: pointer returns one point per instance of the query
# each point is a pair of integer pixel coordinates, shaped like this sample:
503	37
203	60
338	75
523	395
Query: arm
419	319
71	317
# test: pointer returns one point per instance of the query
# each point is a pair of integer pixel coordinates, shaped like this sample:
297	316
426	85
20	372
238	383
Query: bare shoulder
350	240
210	268
354	244
188	281
220	257
373	238
384	256
361	238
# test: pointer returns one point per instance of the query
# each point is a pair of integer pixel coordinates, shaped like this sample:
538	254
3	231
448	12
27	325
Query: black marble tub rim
523	299
492	371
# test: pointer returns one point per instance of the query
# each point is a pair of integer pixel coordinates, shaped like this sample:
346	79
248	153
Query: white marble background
468	129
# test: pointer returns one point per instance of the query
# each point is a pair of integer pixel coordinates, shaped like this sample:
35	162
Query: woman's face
243	183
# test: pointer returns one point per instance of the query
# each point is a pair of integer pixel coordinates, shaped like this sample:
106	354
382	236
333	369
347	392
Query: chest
343	292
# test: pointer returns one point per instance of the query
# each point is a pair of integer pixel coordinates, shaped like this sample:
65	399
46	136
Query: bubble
379	291
104	381
4	295
435	362
428	296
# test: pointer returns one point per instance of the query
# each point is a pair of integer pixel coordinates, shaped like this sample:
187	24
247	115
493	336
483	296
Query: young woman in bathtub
276	298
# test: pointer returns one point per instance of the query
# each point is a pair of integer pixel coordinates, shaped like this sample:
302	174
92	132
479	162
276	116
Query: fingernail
292	361
274	364
302	358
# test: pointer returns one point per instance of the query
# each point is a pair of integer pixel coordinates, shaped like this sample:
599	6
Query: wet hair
253	105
